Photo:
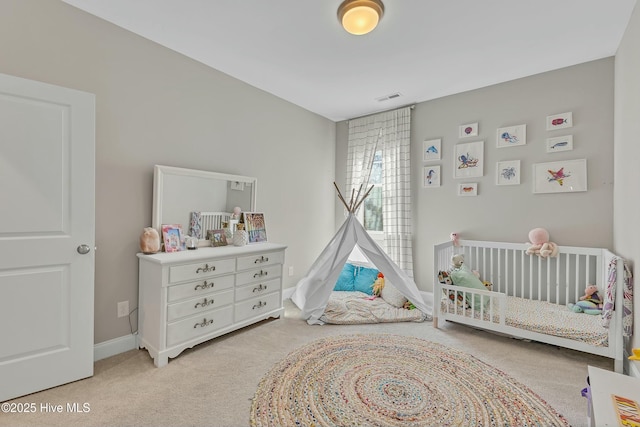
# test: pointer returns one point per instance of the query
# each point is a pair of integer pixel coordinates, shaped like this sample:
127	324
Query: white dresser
189	297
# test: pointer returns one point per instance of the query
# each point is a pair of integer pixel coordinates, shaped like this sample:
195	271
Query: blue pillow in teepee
365	277
346	279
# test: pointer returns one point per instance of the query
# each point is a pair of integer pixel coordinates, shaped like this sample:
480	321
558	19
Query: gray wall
507	213
154	106
627	145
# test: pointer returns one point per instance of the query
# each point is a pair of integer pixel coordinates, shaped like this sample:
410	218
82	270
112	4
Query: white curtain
388	132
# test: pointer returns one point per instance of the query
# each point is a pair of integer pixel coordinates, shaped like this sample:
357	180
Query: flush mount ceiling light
360	16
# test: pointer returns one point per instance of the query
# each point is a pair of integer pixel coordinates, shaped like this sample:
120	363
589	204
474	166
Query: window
372	212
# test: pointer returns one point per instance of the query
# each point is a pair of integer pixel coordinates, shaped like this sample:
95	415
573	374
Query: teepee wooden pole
357	197
353	191
363	197
340	196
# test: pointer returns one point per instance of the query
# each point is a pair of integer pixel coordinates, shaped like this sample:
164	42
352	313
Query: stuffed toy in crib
589	303
461	275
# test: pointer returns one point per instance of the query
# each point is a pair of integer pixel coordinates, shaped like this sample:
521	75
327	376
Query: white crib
544	284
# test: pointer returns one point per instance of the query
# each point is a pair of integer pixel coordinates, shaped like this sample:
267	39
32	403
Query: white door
47	214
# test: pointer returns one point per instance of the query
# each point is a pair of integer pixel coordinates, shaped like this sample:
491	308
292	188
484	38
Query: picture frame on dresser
217	237
255	226
172	237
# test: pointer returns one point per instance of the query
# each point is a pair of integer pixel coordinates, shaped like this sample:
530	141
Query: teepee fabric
313	291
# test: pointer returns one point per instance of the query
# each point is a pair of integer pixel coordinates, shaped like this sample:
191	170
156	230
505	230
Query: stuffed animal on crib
590	302
591	294
457	260
378	284
540	244
455	238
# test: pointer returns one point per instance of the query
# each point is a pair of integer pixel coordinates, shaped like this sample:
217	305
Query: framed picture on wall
468	160
512	136
468	189
431	176
560	143
508	172
431	150
567	176
560	121
470	129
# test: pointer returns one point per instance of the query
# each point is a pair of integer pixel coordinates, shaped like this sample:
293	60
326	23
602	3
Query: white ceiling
422	49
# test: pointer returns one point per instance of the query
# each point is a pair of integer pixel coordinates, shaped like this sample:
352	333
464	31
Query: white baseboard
286	294
115	346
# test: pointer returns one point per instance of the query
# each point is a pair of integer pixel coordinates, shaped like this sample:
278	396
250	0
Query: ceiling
422	49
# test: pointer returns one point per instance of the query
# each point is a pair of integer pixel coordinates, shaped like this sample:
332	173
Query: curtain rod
411	106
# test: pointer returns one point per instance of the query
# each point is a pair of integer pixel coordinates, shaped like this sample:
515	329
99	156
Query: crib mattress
549	319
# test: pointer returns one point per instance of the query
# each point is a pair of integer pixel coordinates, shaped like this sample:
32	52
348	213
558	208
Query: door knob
83	249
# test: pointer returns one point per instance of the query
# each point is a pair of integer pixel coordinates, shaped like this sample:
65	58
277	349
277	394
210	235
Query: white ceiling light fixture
360	16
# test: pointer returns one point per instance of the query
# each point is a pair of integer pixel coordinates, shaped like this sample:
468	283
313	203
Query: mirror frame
161	172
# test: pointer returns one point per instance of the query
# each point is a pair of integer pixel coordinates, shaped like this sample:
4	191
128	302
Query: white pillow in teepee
392	296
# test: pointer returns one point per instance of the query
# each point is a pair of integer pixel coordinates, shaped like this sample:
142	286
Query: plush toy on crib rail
540	244
590	302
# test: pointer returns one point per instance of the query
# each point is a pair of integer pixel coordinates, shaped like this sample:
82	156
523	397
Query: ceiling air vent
388	97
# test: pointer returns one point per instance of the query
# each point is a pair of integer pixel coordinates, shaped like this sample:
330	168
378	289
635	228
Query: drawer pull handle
260	304
204	285
261	259
206	269
204	323
260	288
204	303
262	273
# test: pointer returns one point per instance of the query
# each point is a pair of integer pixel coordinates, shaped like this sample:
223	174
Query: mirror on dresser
177	192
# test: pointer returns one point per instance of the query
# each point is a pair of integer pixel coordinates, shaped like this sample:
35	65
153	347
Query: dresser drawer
260	260
260	274
256	306
200	288
257	289
202	324
198	305
201	270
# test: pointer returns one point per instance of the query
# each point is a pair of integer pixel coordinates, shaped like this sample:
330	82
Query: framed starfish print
568	176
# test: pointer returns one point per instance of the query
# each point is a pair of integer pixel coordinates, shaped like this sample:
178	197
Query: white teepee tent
313	291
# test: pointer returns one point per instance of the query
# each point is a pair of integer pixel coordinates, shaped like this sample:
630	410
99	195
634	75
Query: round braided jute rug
391	380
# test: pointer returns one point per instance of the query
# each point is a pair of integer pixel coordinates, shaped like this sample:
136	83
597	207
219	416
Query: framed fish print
560	143
512	136
468	189
431	176
470	129
568	176
560	121
508	172
468	160
431	150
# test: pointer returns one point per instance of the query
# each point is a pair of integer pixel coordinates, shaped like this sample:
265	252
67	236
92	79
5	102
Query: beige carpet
213	384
